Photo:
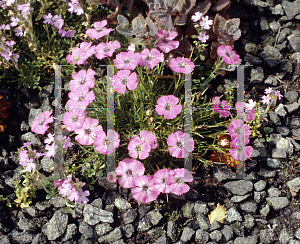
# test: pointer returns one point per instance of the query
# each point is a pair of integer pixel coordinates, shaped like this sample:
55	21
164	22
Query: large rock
291	9
294	41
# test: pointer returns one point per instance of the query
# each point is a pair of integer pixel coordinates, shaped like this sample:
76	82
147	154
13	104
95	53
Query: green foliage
26	193
3	199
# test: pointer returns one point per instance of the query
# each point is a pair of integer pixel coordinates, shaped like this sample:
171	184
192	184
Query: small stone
252	59
267	236
271	81
237	199
274	26
264	25
271	55
86	230
202	236
122	204
248	240
294	41
291	9
283	35
216	236
240	187
274	192
233	215
291	96
249	221
277	10
274	118
280	110
260	185
295	57
128	230
202	221
267	173
249	207
257	75
93	215
265	210
274	163
129	216
102	229
285	237
296	133
283	130
227	232
187	234
172	230
187	210
278	202
259	196
294	184
201	207
279	153
286	66
113	236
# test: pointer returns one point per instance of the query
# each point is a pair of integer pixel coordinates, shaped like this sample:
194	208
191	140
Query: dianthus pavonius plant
148	133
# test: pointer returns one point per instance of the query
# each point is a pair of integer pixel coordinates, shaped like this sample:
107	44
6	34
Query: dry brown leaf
218	214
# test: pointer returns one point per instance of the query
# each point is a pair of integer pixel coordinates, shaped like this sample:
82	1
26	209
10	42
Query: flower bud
149	112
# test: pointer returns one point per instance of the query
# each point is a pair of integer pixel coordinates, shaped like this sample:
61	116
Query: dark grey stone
274	163
102	229
291	9
259	196
271	55
274	118
202	236
286	66
172	230
291	96
267	236
260	185
296	133
283	130
227	232
38	239
156	232
294	41
187	210
129	216
271	81
113	236
86	230
294	184
248	240
93	215
216	236
249	221
187	234
249	207
233	215
253	60
285	236
222	172
128	230
257	75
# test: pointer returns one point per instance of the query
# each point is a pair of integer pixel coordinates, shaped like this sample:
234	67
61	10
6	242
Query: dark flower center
81	98
87	131
127	60
82	81
42	121
229	54
106	141
74	118
179	144
99	29
149	57
238	131
179	181
168	107
240	148
166	39
163	180
129	172
181	65
145	188
106	49
138	148
124	81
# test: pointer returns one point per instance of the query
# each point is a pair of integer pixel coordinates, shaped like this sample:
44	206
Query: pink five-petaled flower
228	55
145	190
247	114
163	179
182	65
180	144
205	23
138	148
39	124
278	94
74	119
80	99
99	30
250	105
268	90
203	37
107	144
166	105
83	79
124	79
196	17
127	170
103	50
266	99
181	176
149	138
127	60
221	107
236	128
166	43
82	196
151	58
88	131
81	54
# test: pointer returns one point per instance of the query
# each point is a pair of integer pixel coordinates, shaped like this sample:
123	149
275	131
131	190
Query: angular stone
291	9
240	187
278	202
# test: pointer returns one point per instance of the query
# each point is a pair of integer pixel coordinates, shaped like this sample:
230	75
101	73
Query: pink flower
127	170
82	196
180	144
149	138
181	175
182	65
236	128
268	90
75	7
39	124
104	50
70	33
30	166
101	142
163	179
127	60
166	105
59	182
205	23
250	105
81	54
278	94
88	131
73	195
73	119
151	58
145	190
99	30
266	99
50	138
19	32
241	153
203	37
138	148
57	21
221	107
51	149
228	55
14	21
197	16
166	43
67	142
80	99
48	19
247	114
83	79
124	79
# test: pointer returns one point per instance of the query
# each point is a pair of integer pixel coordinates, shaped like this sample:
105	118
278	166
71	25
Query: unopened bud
149	112
151	120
